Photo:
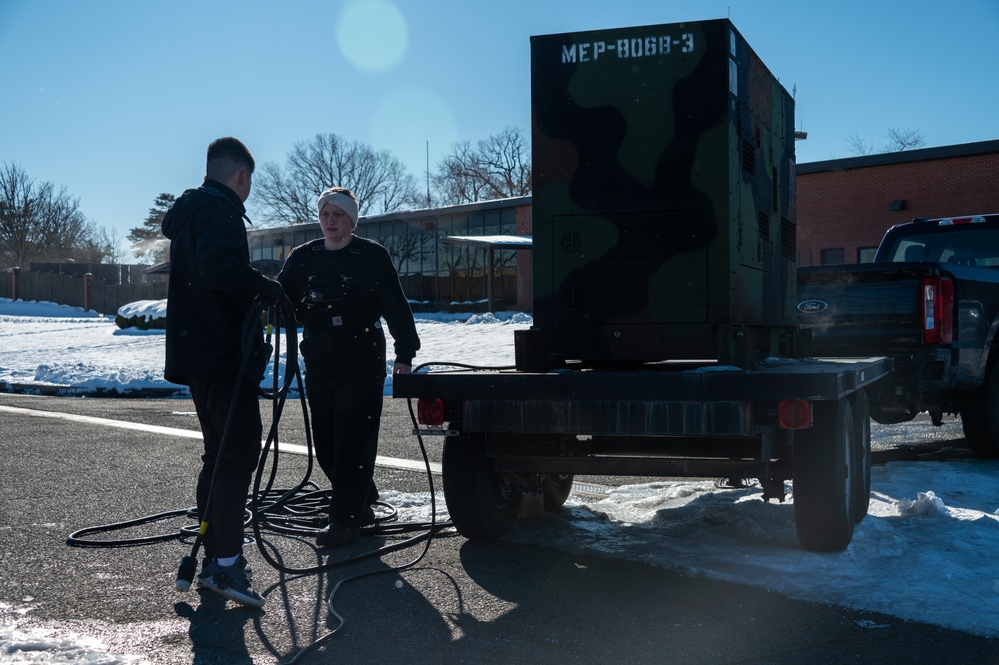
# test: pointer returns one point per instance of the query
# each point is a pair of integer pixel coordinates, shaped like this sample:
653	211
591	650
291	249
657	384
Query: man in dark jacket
342	285
211	288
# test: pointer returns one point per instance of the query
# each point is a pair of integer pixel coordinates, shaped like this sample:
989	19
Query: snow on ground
925	552
44	345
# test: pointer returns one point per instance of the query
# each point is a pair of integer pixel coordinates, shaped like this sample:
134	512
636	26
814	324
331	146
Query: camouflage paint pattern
663	197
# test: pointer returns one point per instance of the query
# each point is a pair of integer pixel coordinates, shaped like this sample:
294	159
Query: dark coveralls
211	288
340	297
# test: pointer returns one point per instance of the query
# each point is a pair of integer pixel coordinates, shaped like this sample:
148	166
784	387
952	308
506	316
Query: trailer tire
861	457
823	483
482	502
980	418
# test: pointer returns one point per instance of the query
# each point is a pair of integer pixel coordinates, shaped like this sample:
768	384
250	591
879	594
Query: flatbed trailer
515	437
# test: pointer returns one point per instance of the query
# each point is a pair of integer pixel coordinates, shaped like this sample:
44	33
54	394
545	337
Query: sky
116	100
917	556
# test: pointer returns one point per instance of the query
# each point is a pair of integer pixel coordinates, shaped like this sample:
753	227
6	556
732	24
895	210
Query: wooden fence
107	287
87	291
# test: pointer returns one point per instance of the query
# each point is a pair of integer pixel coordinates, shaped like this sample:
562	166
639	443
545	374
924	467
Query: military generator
663	205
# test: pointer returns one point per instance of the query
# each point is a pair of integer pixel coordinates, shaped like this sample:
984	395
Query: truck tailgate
861	309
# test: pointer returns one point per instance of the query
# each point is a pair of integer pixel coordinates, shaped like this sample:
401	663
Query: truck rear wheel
482	502
557	487
980	418
861	457
823	483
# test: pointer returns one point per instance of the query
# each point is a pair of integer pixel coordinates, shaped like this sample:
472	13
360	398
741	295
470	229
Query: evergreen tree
147	240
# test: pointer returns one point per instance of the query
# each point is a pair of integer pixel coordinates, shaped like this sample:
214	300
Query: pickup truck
930	302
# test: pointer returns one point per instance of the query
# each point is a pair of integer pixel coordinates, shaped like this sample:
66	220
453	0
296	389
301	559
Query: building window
866	254
830	256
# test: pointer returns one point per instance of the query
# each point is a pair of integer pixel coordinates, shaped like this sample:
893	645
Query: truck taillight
938	310
794	414
430	411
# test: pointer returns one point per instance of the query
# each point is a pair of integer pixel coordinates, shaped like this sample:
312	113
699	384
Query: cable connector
185	574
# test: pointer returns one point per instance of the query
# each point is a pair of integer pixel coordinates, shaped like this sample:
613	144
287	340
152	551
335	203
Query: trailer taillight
938	310
430	411
794	414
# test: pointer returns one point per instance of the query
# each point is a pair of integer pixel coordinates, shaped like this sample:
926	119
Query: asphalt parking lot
461	603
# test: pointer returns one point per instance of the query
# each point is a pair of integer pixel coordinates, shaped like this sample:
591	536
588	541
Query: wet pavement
461	603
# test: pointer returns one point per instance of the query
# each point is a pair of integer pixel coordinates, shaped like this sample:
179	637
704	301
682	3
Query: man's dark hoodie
212	284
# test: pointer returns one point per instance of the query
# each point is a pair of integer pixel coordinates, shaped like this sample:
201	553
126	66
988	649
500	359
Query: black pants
346	410
234	469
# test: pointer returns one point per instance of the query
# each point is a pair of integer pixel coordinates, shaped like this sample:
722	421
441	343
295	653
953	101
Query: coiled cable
296	510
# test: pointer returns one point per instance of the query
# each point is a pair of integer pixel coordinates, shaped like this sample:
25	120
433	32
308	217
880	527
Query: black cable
286	501
294	510
464	366
291	511
77	538
284	510
434	527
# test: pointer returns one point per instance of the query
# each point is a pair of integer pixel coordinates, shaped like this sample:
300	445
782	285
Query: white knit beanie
340	200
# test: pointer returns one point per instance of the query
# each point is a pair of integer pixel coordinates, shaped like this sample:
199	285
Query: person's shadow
302	623
217	634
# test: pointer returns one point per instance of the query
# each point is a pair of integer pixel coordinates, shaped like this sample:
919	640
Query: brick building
846	205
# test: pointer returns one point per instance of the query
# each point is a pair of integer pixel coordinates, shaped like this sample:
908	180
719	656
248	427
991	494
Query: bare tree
18	235
858	146
66	233
454	181
288	196
37	223
98	245
109	242
494	168
898	140
403	246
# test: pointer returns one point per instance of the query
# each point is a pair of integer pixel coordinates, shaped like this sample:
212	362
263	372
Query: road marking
291	448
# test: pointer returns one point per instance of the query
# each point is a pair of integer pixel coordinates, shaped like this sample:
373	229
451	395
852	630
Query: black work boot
337	536
368	518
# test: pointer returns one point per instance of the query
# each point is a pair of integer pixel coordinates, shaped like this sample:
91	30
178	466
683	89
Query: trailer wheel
823	484
980	418
557	487
861	457
481	501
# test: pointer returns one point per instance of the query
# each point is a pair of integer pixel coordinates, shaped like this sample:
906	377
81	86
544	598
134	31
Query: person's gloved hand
273	290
